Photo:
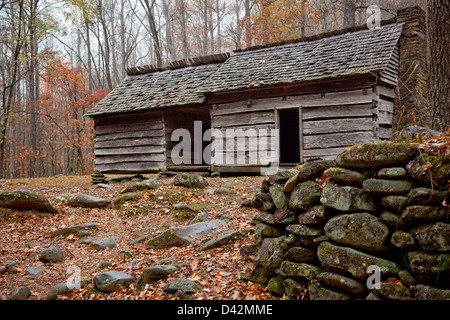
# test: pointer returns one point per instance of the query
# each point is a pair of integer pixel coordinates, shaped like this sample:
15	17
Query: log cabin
267	106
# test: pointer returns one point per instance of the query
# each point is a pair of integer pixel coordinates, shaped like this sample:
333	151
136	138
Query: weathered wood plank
338	140
385	117
385	133
130	135
126	143
129	127
337	126
386	106
129	151
244	119
323	113
130	158
320	153
141	167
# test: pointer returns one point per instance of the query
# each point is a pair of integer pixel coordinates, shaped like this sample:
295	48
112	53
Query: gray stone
276	286
297	270
111	281
392	291
403	240
290	185
348	199
395	203
299	254
407	278
342	282
20	294
263	202
143	186
279	198
157	272
52	255
423	292
430	267
346	177
102	244
257	275
271	255
183	236
319	293
225	191
314	169
428	197
344	259
392	173
305	196
430	169
433	237
264	230
302	230
65	288
359	230
373	297
190	181
35	271
282	176
316	215
184	285
294	288
83	200
393	220
26	200
387	187
376	155
183	206
74	229
425	214
223	238
201	217
104	264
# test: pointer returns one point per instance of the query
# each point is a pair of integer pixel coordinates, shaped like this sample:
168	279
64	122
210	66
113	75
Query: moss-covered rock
377	155
314	169
430	169
299	254
297	270
346	177
347	199
279	198
430	268
359	230
305	196
433	237
190	181
403	240
342	282
344	259
276	286
428	197
316	215
392	291
395	203
387	187
425	214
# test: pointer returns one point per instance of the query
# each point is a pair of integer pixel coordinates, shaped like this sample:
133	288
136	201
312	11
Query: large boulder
377	155
348	199
26	200
184	236
112	280
359	230
83	200
188	180
344	259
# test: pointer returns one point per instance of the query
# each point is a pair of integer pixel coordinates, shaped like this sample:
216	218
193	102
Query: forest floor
219	271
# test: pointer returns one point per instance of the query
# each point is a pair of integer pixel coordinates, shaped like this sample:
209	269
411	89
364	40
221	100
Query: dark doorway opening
289	136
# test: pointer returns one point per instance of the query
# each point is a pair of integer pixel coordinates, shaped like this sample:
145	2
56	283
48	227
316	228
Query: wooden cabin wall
185	118
130	143
353	113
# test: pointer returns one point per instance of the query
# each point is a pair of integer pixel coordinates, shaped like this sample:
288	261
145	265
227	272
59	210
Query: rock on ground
83	200
112	280
26	200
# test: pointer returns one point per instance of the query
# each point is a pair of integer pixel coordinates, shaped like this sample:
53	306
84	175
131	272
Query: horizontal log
320	153
132	126
385	117
130	158
126	143
133	167
385	133
347	111
129	151
337	126
338	140
386	106
130	135
244	119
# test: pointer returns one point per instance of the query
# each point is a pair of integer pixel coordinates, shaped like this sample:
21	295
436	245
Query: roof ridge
315	37
180	64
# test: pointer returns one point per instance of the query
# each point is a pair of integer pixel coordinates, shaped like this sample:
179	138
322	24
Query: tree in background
439	62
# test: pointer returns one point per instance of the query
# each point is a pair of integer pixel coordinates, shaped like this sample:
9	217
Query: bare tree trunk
349	13
248	31
169	33
149	9
439	61
107	49
183	22
303	24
